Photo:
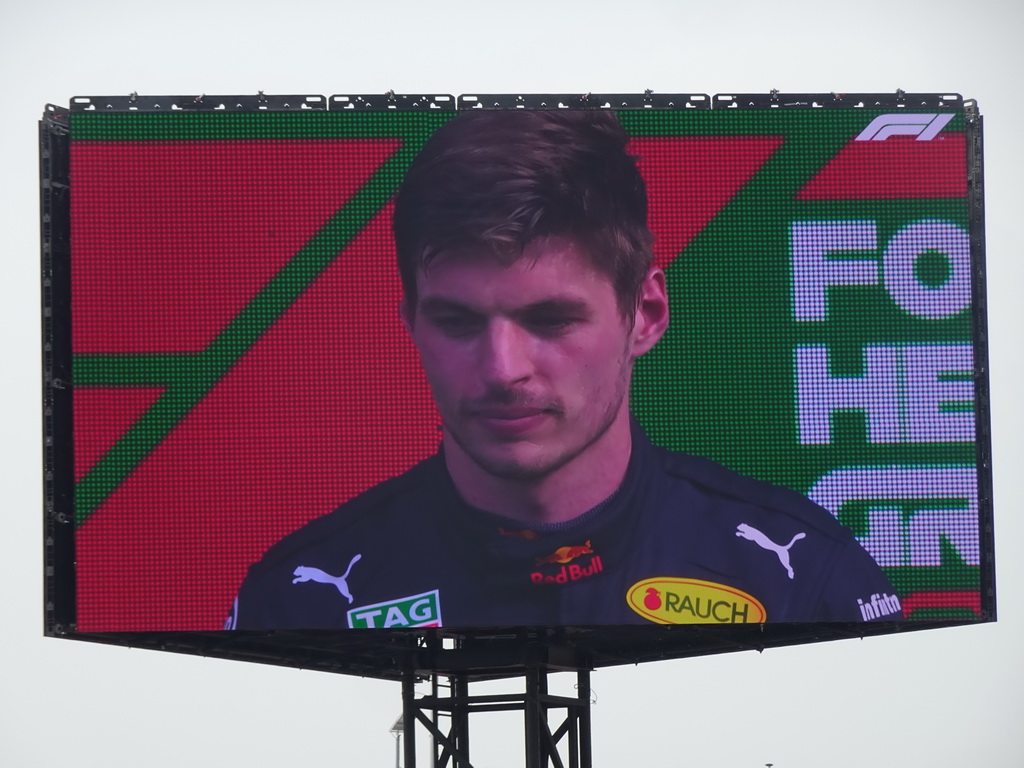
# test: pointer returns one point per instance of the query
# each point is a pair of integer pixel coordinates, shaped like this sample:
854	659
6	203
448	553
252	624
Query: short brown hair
498	179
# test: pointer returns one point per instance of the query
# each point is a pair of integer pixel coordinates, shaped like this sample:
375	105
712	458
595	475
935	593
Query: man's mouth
507	412
511	420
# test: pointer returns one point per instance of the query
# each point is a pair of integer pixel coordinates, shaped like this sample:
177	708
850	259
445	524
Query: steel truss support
451	701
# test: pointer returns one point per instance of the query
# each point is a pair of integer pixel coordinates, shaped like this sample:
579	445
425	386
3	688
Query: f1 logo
925	127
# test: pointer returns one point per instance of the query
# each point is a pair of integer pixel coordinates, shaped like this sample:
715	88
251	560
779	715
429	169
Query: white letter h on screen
875	392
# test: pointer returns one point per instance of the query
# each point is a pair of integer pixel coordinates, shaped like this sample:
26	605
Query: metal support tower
451	748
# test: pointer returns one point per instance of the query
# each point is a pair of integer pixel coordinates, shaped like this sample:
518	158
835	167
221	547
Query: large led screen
780	419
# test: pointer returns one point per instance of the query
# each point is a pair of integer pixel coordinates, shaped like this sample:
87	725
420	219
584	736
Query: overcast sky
941	698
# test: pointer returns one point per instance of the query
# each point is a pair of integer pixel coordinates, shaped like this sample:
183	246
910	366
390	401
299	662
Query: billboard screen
780	419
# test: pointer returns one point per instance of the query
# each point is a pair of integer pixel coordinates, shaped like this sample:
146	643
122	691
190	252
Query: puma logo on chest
308	573
752	534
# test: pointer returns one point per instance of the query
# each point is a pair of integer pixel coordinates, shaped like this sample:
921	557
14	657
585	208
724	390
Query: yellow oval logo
670	600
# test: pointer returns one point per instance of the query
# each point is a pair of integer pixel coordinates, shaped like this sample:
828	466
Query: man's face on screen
529	362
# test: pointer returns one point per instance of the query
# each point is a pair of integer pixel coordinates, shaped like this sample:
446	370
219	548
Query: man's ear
651	317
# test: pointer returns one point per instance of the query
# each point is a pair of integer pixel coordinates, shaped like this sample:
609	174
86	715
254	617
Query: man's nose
505	353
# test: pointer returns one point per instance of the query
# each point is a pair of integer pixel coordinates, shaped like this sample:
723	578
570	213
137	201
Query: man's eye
551	324
457	325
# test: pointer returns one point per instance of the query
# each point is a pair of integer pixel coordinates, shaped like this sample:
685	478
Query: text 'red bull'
567	573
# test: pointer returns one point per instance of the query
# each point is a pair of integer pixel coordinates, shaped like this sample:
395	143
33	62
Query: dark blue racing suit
683	540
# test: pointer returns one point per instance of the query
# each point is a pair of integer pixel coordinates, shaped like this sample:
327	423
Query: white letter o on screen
901	255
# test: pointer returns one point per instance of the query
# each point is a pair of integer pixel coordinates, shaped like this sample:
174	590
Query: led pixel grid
240	367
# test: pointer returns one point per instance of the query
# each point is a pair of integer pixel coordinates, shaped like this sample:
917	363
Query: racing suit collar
509	551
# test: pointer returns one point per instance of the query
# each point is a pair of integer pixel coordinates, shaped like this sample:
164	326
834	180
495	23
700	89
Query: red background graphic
171	239
690	179
102	415
170	242
921	601
899	167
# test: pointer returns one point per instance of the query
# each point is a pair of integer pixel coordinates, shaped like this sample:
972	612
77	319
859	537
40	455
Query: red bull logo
569	570
565	554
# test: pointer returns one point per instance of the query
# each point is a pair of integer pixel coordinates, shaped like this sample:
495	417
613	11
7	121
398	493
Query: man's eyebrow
559	304
439	304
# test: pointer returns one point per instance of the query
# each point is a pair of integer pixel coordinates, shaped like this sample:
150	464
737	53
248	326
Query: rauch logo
413	611
669	600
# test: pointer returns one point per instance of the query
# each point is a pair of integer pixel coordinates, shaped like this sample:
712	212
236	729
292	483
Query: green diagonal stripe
190	378
245	126
131	370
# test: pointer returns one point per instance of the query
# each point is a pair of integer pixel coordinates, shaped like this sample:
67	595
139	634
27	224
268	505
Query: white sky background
941	698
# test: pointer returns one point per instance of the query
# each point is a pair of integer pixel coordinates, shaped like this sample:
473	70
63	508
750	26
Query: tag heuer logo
422	610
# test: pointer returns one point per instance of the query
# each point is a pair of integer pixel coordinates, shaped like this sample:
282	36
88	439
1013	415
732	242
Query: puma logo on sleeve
307	573
752	534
